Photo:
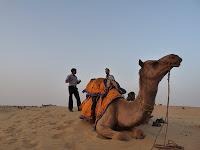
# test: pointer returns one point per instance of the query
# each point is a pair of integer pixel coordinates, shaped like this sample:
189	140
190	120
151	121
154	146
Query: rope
154	143
167	113
171	145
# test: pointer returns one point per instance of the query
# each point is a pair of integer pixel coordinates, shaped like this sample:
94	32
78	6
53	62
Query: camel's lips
178	63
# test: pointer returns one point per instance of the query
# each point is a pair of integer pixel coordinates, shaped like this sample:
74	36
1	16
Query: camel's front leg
106	123
107	132
137	133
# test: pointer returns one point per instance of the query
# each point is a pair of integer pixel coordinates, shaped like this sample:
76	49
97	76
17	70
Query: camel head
157	69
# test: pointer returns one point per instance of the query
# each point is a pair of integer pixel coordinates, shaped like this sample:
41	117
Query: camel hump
96	86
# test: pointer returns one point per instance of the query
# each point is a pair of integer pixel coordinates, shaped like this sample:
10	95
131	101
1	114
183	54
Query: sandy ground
55	128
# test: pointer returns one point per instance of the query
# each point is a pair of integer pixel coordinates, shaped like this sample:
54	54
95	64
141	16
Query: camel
122	117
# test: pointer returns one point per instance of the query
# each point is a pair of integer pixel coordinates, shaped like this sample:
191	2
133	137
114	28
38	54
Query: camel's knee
123	136
99	128
137	133
103	131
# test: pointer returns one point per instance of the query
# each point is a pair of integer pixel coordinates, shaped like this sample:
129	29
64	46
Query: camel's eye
155	64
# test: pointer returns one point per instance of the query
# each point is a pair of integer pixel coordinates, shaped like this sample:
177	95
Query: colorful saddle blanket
97	88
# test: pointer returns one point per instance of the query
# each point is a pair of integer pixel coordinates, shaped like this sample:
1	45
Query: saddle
97	90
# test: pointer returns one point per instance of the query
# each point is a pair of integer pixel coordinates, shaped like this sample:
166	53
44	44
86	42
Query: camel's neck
147	92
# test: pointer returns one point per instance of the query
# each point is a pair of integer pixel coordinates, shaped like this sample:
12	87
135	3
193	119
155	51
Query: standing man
73	81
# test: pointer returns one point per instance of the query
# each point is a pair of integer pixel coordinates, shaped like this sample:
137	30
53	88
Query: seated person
111	81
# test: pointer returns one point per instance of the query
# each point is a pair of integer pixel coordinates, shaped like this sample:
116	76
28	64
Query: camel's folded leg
105	124
137	133
107	132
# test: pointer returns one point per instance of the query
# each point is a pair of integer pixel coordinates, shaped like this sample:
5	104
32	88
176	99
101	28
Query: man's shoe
79	108
70	110
156	124
160	120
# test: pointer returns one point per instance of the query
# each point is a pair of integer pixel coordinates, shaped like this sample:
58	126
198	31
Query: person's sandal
156	124
160	120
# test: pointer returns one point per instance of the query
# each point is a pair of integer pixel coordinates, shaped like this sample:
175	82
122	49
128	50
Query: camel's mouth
177	63
172	59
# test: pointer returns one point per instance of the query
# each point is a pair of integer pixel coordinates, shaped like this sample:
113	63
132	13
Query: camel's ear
141	63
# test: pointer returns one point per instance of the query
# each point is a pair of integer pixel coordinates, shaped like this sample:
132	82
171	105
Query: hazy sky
40	41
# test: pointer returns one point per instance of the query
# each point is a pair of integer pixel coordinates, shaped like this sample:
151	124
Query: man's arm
67	79
79	81
112	77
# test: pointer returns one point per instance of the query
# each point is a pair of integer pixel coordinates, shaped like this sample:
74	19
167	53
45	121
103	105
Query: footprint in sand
18	121
58	135
47	111
62	127
52	123
34	131
63	115
30	143
68	122
10	129
69	145
12	140
66	125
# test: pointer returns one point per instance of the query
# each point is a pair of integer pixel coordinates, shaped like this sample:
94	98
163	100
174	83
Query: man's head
73	70
107	71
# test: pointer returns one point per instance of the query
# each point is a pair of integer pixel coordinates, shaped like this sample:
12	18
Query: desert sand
55	128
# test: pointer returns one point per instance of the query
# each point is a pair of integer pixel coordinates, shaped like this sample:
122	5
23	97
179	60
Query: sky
41	40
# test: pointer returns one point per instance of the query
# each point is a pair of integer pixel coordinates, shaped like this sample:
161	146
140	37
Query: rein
171	145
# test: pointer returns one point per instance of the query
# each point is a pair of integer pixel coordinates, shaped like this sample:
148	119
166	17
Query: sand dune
54	128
